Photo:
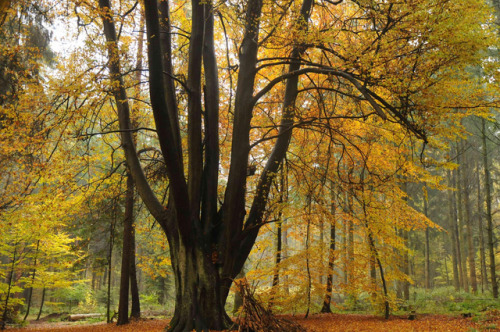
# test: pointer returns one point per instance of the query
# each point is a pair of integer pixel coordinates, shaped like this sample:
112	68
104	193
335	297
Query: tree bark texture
489	216
471	252
128	221
135	311
480	222
326	308
456	230
461	220
427	246
451	230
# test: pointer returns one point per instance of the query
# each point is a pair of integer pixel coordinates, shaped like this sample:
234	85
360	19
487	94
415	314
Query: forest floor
315	323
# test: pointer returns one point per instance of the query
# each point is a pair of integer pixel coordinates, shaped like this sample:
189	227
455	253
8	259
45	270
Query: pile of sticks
254	317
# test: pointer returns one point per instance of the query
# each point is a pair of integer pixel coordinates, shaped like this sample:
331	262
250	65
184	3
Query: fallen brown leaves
345	323
315	323
147	325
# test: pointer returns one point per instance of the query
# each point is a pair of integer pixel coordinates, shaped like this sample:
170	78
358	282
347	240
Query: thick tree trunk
200	299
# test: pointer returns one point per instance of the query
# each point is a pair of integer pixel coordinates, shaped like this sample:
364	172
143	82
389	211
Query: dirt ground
315	323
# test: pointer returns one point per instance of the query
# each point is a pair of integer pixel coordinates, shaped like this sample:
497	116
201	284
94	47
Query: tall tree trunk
135	311
461	219
451	230
331	257
480	213
350	248
445	263
41	304
128	221
279	247
373	274
427	245
345	263
468	221
110	256
308	270
276	276
321	250
404	234
374	252
284	284
32	281
456	229
489	216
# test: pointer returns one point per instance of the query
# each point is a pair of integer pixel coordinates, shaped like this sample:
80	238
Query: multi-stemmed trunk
210	237
208	243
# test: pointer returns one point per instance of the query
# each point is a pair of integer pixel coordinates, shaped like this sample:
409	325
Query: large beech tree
387	58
